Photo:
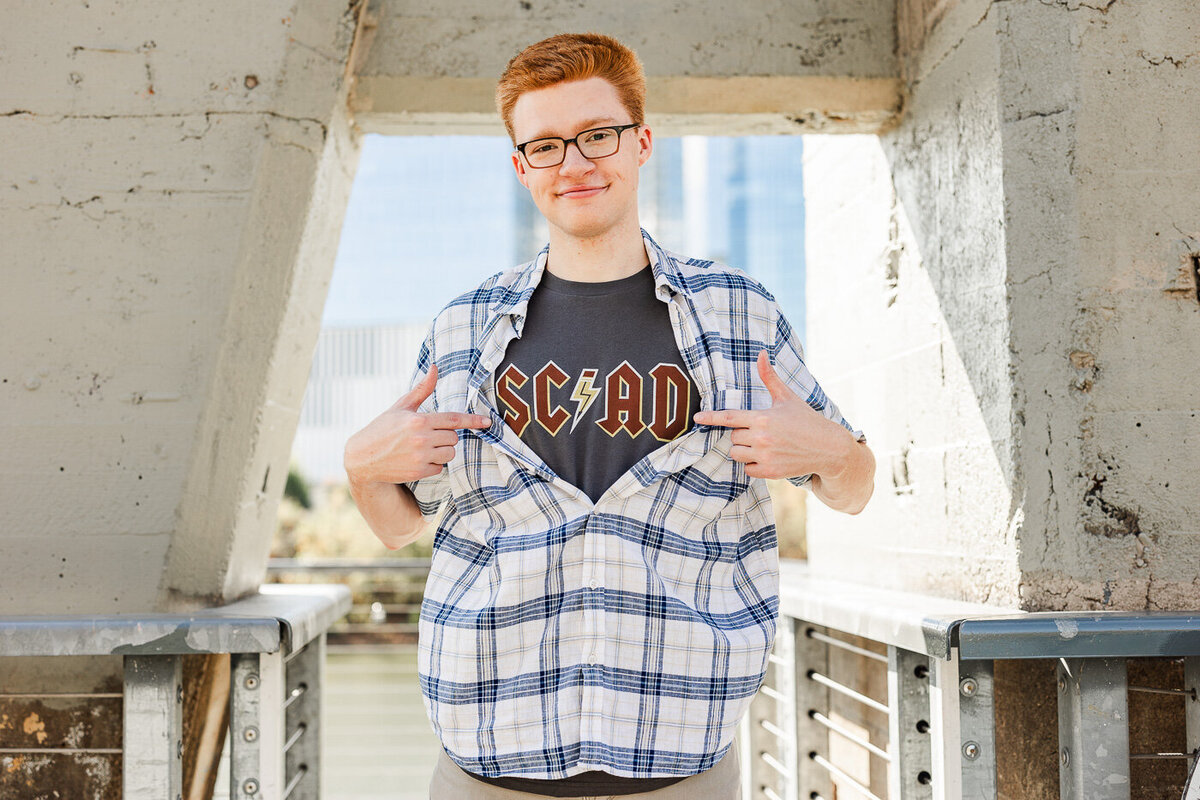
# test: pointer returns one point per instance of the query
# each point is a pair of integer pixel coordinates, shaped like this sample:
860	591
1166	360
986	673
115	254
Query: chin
584	227
585	231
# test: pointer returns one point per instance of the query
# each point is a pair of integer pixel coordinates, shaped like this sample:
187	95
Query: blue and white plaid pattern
559	636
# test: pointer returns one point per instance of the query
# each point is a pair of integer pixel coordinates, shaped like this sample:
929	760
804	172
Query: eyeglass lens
596	143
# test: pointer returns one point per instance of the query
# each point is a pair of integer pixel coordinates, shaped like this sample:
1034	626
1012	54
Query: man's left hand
788	439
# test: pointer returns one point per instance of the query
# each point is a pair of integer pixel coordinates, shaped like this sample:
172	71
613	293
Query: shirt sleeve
431	491
788	356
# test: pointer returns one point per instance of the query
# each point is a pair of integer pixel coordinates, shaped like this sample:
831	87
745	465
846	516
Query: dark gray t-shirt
594	384
596	381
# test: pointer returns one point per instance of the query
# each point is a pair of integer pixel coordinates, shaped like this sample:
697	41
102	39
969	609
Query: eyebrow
587	124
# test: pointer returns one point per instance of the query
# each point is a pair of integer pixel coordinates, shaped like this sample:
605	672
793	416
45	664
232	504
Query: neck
619	253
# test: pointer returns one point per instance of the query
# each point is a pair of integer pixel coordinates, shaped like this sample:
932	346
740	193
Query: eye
598	136
543	147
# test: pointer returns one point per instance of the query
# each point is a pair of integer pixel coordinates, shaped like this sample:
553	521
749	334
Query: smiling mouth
582	193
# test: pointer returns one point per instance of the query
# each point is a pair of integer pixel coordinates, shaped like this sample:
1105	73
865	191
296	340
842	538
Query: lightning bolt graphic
583	395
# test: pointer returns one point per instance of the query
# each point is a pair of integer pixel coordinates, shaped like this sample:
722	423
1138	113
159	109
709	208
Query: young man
603	592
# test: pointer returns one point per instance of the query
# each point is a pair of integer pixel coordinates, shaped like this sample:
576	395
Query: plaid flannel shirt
558	635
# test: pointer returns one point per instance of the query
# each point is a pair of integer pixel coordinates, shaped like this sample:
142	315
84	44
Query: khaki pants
722	782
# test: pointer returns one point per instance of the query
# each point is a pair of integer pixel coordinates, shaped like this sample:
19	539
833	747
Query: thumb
775	385
418	394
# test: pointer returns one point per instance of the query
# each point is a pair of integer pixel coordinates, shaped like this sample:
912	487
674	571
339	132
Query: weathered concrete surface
177	182
713	67
174	181
1004	289
1106	301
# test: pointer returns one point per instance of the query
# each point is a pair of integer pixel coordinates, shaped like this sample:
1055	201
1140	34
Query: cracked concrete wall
174	181
1108	334
768	66
1022	254
178	185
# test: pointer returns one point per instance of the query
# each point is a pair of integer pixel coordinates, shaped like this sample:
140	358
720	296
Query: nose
574	160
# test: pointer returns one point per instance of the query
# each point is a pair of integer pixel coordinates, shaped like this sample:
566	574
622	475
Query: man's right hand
403	444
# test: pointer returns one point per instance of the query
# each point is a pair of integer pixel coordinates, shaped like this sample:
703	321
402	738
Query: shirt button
594	583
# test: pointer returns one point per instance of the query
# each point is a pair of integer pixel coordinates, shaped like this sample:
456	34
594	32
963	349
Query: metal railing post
944	729
256	726
963	730
977	727
1093	729
747	752
1191	690
910	773
153	728
785	683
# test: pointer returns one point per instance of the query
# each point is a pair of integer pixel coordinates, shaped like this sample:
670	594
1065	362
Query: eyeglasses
592	143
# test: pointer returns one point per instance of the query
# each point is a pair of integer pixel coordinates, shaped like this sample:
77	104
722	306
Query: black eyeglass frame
618	128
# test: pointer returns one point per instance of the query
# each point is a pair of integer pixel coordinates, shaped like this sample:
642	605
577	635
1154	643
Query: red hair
572	57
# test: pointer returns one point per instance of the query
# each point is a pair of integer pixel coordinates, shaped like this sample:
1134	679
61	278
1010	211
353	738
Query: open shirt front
558	635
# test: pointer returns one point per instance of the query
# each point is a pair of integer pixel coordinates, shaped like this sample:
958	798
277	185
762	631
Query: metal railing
276	642
935	735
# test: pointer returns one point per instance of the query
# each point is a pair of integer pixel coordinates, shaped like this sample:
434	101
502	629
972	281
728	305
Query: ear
645	144
519	167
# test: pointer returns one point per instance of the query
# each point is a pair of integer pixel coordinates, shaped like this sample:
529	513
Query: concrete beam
711	67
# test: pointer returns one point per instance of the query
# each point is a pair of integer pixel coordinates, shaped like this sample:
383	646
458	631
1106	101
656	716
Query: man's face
583	198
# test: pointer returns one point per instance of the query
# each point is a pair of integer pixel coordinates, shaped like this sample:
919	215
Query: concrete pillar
1005	290
174	180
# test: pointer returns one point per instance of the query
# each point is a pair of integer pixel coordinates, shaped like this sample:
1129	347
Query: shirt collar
514	299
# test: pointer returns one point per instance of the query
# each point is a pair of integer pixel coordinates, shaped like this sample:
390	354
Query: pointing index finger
452	420
727	418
